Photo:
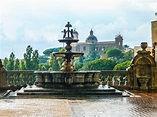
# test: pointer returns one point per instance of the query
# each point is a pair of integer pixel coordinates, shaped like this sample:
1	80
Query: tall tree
5	61
27	57
22	65
35	60
17	64
10	64
54	63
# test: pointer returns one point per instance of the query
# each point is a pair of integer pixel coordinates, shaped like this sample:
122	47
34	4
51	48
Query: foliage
78	65
10	64
54	63
5	61
47	52
122	66
90	62
22	65
31	58
114	52
17	64
27	57
35	60
100	64
43	59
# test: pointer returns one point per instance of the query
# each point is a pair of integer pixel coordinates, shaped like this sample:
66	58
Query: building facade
92	43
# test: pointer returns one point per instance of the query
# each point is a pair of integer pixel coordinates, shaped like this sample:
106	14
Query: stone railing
16	79
119	79
22	78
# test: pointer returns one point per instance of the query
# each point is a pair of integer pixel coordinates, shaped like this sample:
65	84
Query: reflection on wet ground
144	105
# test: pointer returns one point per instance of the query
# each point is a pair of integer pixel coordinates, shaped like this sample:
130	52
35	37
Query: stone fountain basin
60	79
70	54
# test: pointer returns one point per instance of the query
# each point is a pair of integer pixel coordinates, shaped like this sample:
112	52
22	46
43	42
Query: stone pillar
3	76
39	79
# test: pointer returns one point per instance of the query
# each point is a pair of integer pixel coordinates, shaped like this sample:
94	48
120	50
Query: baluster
11	80
24	79
115	77
109	80
30	78
15	79
126	81
18	79
103	79
122	80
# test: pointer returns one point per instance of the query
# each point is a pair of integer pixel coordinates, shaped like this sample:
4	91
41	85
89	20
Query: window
84	47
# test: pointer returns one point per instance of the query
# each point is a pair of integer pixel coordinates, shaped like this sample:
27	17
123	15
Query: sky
39	22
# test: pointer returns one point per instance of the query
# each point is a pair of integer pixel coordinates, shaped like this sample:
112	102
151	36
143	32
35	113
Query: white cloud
40	22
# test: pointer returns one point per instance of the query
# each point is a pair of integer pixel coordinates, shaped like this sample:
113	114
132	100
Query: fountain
67	76
68	81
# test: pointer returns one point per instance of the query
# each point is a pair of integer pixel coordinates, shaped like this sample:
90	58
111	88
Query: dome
91	38
75	34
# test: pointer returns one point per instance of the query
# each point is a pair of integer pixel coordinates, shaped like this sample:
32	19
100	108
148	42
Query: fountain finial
68	25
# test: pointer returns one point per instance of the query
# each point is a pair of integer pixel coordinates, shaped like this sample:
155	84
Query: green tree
54	63
43	59
22	65
100	64
17	64
122	66
114	52
35	60
47	52
5	62
27	57
78	65
56	66
10	64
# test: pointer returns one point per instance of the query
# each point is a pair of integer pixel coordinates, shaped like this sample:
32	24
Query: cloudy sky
39	22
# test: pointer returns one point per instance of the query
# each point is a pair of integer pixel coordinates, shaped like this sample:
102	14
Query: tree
10	64
27	57
22	65
43	59
35	60
126	46
78	65
47	52
100	64
5	61
122	66
17	64
54	63
114	52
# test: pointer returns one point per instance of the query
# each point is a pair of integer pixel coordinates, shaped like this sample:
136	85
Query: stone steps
37	92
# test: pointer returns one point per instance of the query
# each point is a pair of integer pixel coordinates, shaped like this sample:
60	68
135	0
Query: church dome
91	38
75	34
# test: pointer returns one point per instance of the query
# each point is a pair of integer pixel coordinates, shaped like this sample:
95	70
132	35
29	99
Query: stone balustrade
119	79
20	78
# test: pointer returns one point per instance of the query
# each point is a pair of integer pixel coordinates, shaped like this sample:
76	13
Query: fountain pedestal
59	79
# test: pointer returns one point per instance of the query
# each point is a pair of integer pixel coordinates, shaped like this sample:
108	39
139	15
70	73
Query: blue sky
39	22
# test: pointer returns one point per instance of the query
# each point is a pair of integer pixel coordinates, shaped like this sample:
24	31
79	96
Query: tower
119	41
154	37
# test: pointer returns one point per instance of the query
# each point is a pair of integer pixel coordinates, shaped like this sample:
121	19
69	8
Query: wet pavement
140	105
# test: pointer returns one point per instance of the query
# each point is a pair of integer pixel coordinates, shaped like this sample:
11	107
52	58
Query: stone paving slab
141	105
